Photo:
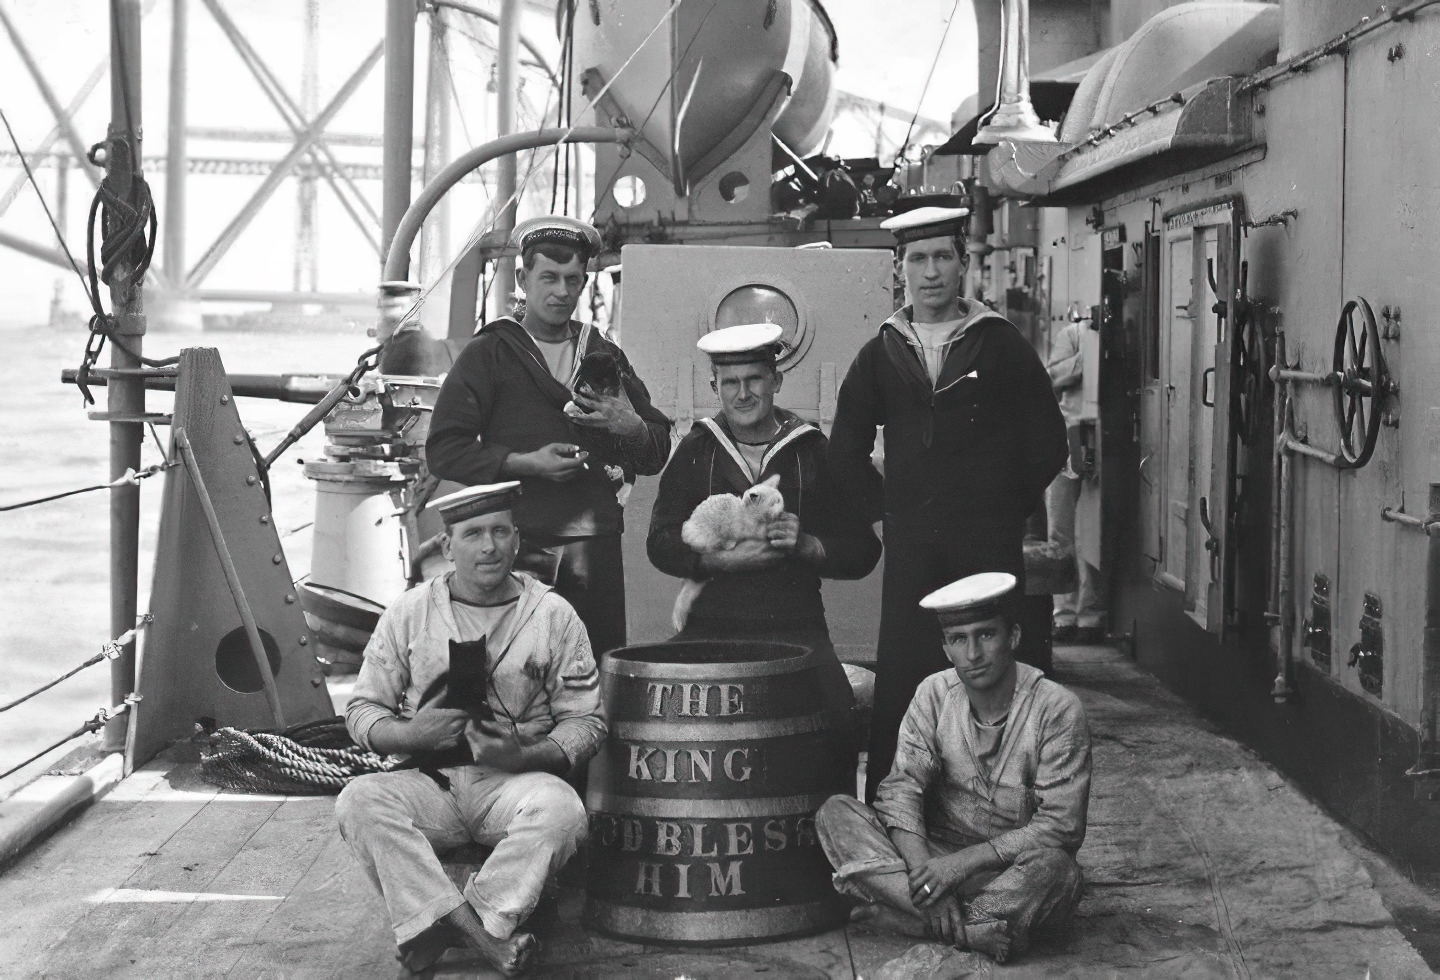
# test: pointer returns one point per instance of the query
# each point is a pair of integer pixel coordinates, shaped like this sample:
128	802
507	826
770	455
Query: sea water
54	558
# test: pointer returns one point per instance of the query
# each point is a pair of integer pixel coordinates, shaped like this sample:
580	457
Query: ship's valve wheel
1361	381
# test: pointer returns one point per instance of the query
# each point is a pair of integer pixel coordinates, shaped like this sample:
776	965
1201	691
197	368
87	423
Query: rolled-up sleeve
900	799
1061	787
380	689
573	687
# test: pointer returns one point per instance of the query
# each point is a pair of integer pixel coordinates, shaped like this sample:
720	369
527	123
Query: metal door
1201	557
1176	358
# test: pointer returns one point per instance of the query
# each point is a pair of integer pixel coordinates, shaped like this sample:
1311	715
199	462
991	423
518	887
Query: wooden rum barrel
702	801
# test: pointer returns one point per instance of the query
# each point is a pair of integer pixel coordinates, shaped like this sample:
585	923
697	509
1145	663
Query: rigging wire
567	93
130	479
102	718
668	82
54	225
110	651
904	144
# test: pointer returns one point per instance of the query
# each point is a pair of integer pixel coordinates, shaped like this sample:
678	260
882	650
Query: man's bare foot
989	936
511	957
420	953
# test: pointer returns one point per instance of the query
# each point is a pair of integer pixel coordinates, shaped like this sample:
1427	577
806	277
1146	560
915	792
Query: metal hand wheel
1361	383
1250	372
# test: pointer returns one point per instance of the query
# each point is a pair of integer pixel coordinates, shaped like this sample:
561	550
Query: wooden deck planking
43	894
271	863
126	938
1200	860
332	926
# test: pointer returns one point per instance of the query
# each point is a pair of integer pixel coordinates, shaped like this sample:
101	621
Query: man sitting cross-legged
973	834
485	679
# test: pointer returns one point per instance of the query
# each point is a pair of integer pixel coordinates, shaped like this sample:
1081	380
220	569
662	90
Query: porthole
758	303
734	187
629	192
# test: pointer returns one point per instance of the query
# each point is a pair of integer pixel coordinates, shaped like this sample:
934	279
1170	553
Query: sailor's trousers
1042	887
396	821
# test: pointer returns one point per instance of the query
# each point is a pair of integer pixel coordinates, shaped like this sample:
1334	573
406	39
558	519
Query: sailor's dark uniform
500	398
966	460
780	603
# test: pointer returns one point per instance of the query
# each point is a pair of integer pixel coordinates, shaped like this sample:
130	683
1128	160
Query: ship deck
1201	861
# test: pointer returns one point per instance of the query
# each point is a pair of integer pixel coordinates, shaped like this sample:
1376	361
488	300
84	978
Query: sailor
973	835
767	590
485	680
972	437
501	415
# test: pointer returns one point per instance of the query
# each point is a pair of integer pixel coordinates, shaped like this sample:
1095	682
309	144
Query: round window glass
629	191
757	303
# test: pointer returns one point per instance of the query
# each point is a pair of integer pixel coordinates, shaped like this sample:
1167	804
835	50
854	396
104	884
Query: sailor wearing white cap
973	834
484	677
973	436
501	415
760	589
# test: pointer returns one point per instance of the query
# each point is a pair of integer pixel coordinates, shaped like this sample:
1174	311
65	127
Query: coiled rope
315	759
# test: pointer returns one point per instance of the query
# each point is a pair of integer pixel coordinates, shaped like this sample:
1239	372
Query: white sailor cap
743	344
930	222
558	229
474	501
972	598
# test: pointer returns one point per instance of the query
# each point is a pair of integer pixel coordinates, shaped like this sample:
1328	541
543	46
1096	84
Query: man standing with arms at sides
764	590
972	438
501	415
485	679
1079	615
973	835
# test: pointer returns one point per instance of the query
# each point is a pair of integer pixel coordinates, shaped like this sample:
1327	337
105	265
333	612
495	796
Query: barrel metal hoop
730	926
720	672
673	731
601	803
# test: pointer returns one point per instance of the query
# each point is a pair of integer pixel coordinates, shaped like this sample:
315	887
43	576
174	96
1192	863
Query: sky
883	57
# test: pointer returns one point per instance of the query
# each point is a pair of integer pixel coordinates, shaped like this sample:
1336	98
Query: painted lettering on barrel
720	846
702	838
724	879
694	700
650	762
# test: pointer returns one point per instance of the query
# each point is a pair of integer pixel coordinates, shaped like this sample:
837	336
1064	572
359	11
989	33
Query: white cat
719	523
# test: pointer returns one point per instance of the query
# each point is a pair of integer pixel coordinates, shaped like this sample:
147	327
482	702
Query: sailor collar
582	334
792	428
